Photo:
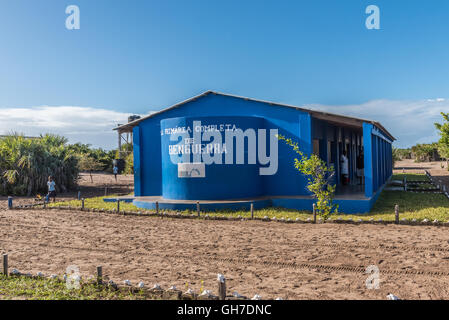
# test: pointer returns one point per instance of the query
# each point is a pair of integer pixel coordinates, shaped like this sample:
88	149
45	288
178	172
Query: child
51	189
115	171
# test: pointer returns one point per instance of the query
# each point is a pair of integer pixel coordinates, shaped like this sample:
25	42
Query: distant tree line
422	152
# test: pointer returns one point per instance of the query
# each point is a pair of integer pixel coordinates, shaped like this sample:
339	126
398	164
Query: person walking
51	184
115	171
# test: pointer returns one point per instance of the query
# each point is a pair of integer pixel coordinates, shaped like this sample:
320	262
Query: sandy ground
268	258
89	188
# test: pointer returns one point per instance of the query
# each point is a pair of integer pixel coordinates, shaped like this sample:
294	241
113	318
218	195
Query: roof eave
132	124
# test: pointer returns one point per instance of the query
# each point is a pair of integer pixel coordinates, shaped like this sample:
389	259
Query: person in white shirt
344	168
51	189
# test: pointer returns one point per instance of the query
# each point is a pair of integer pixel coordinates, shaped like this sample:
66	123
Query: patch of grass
420	186
97	203
417	206
410	177
51	289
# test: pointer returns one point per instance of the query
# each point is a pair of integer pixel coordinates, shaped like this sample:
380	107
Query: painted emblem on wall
191	170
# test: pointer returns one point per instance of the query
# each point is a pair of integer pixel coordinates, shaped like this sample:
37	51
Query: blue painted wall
156	176
290	122
221	181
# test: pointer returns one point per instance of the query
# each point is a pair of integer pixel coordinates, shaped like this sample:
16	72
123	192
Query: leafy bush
102	157
317	174
425	152
26	163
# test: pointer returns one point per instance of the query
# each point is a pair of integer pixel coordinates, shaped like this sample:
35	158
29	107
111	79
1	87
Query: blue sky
142	55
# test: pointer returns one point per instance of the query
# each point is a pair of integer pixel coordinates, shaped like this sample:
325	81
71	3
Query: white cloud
410	122
78	124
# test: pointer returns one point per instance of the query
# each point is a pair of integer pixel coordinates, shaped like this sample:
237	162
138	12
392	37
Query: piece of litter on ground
391	296
206	293
220	278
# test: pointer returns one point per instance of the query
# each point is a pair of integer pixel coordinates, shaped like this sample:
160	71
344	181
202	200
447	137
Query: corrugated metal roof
327	116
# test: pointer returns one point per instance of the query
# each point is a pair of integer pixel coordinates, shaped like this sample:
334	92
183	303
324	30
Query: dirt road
268	258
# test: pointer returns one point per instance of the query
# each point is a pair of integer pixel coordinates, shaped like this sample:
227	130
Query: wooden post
157	207
118	205
314	213
198	208
99	275
10	206
252	210
79	195
221	288
396	213
82	204
5	265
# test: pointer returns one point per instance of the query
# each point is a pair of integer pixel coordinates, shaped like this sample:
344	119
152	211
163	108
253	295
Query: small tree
88	163
317	173
443	144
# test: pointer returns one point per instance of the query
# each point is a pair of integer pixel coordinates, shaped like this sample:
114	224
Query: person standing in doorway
360	166
115	171
344	168
51	189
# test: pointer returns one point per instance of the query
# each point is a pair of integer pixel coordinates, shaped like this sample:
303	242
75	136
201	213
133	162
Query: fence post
314	213
118	205
105	191
82	204
79	195
10	206
99	275
5	265
396	213
221	287
198	208
252	210
157	208
405	183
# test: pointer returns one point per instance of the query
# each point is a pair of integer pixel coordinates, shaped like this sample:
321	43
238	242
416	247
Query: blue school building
222	150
